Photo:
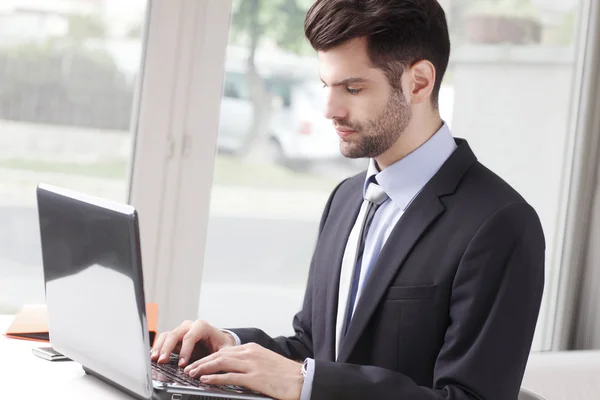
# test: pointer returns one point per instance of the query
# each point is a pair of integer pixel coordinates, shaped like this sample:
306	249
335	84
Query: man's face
368	114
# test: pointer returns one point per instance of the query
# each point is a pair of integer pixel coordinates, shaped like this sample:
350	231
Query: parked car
235	117
297	130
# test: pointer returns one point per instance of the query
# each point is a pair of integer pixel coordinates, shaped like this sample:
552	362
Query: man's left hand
253	367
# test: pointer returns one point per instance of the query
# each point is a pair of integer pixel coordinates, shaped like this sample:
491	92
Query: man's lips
344	132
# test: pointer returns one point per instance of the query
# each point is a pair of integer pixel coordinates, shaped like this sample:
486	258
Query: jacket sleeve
495	301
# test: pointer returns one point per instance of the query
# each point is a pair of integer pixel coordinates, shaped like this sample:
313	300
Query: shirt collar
404	179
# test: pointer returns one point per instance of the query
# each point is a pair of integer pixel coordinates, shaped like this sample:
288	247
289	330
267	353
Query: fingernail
181	361
163	356
204	378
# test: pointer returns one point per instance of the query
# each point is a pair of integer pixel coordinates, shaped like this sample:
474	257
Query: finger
237	351
172	340
228	350
197	332
228	379
157	346
241	352
220	364
203	361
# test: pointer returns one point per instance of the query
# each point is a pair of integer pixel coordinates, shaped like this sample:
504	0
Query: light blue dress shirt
402	181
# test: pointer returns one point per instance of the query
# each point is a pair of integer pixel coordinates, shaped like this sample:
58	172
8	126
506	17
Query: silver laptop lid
94	285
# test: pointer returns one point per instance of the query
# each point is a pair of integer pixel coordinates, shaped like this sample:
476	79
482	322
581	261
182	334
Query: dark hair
399	33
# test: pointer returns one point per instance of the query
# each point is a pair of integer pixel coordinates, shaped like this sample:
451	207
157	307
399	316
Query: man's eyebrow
347	81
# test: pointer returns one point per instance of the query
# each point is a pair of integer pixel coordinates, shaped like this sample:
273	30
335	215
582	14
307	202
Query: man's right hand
184	338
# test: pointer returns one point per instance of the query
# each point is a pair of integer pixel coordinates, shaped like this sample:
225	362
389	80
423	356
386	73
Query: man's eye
353	91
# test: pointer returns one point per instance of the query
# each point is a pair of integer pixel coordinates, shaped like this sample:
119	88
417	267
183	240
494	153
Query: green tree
253	20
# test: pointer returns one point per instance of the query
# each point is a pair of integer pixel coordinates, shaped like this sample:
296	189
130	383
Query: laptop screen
94	291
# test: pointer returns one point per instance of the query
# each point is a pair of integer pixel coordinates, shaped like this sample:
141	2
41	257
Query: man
428	272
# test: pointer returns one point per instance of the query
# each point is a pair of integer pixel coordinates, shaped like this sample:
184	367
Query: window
509	91
513	75
68	74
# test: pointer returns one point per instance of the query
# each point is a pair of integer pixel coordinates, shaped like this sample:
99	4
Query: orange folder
31	323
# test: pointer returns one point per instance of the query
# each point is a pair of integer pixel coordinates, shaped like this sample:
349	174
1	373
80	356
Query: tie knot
375	194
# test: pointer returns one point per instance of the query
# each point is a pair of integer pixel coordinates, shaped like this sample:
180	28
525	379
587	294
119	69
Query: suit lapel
424	210
402	239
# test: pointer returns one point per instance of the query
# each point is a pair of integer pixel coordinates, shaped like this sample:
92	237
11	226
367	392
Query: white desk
26	376
557	376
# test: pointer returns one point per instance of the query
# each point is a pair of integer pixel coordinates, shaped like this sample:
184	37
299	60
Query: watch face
305	368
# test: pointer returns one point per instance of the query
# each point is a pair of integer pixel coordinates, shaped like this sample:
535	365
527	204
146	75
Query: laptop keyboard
174	372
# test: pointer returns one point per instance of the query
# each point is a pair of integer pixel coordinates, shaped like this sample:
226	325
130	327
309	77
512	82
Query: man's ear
422	76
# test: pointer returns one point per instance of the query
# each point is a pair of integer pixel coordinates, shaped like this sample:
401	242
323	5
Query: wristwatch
305	369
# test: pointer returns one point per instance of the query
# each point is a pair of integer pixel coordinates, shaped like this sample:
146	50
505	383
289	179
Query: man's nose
334	109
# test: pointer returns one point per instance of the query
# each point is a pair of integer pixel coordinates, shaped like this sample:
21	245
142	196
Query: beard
374	137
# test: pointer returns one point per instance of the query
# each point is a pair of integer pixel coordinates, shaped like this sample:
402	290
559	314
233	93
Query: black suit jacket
451	305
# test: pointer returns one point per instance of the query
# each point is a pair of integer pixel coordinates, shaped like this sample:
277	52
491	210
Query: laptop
95	298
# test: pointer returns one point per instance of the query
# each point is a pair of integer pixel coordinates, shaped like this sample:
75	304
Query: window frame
176	132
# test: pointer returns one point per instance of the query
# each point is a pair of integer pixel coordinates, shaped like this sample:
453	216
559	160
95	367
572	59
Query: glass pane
68	72
508	90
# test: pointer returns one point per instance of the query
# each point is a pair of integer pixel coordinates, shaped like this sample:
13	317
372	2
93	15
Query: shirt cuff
238	342
308	380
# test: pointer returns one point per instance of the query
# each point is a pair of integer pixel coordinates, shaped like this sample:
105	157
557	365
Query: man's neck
411	139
